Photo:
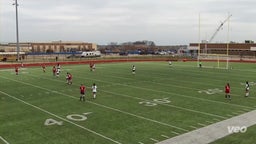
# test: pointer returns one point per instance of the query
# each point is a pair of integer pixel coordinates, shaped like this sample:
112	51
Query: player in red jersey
16	70
69	78
91	65
54	71
67	75
82	92
227	91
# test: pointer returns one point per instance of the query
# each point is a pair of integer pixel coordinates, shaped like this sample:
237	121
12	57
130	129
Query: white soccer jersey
94	88
247	86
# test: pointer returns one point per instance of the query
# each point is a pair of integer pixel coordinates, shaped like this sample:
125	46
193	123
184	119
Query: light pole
17	31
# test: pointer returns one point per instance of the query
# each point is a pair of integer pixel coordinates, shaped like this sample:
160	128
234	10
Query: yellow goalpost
214	60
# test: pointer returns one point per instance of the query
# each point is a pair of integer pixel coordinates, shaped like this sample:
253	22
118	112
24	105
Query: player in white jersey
170	63
247	88
133	69
58	73
94	90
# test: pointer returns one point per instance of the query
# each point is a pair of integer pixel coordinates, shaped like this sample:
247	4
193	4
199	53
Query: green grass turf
157	102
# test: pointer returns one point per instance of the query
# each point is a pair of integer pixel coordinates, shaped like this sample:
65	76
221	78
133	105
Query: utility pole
17	31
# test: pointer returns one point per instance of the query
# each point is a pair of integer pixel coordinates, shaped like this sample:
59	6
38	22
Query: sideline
215	131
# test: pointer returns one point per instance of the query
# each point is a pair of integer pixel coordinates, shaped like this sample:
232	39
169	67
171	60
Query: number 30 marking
154	102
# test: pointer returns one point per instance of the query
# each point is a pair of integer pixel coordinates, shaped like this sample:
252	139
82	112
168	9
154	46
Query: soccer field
157	103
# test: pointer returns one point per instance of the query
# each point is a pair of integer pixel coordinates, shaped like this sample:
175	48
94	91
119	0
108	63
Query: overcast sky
166	22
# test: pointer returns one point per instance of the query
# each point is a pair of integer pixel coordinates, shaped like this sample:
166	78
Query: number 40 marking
73	117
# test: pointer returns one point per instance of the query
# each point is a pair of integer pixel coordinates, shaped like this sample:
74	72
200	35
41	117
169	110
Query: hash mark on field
175	133
154	140
201	124
246	109
141	143
235	113
216	119
193	127
209	122
241	111
6	142
229	115
165	136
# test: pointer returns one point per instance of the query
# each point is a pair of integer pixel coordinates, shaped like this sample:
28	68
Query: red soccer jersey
16	69
227	89
82	89
54	70
69	76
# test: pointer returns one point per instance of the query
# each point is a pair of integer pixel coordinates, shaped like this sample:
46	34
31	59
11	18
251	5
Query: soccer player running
67	78
170	63
93	67
94	90
43	66
200	64
82	92
70	78
247	88
133	69
54	71
227	91
16	70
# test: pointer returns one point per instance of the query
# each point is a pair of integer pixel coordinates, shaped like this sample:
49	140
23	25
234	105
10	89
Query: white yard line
177	107
202	99
195	111
114	109
5	141
45	111
187	87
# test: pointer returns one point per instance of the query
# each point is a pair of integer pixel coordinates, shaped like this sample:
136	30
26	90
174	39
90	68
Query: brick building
241	49
48	47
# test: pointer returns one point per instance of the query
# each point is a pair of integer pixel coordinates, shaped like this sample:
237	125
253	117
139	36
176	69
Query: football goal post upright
219	61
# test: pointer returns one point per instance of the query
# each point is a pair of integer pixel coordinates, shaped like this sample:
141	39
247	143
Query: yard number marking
154	102
211	91
73	117
78	117
49	122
